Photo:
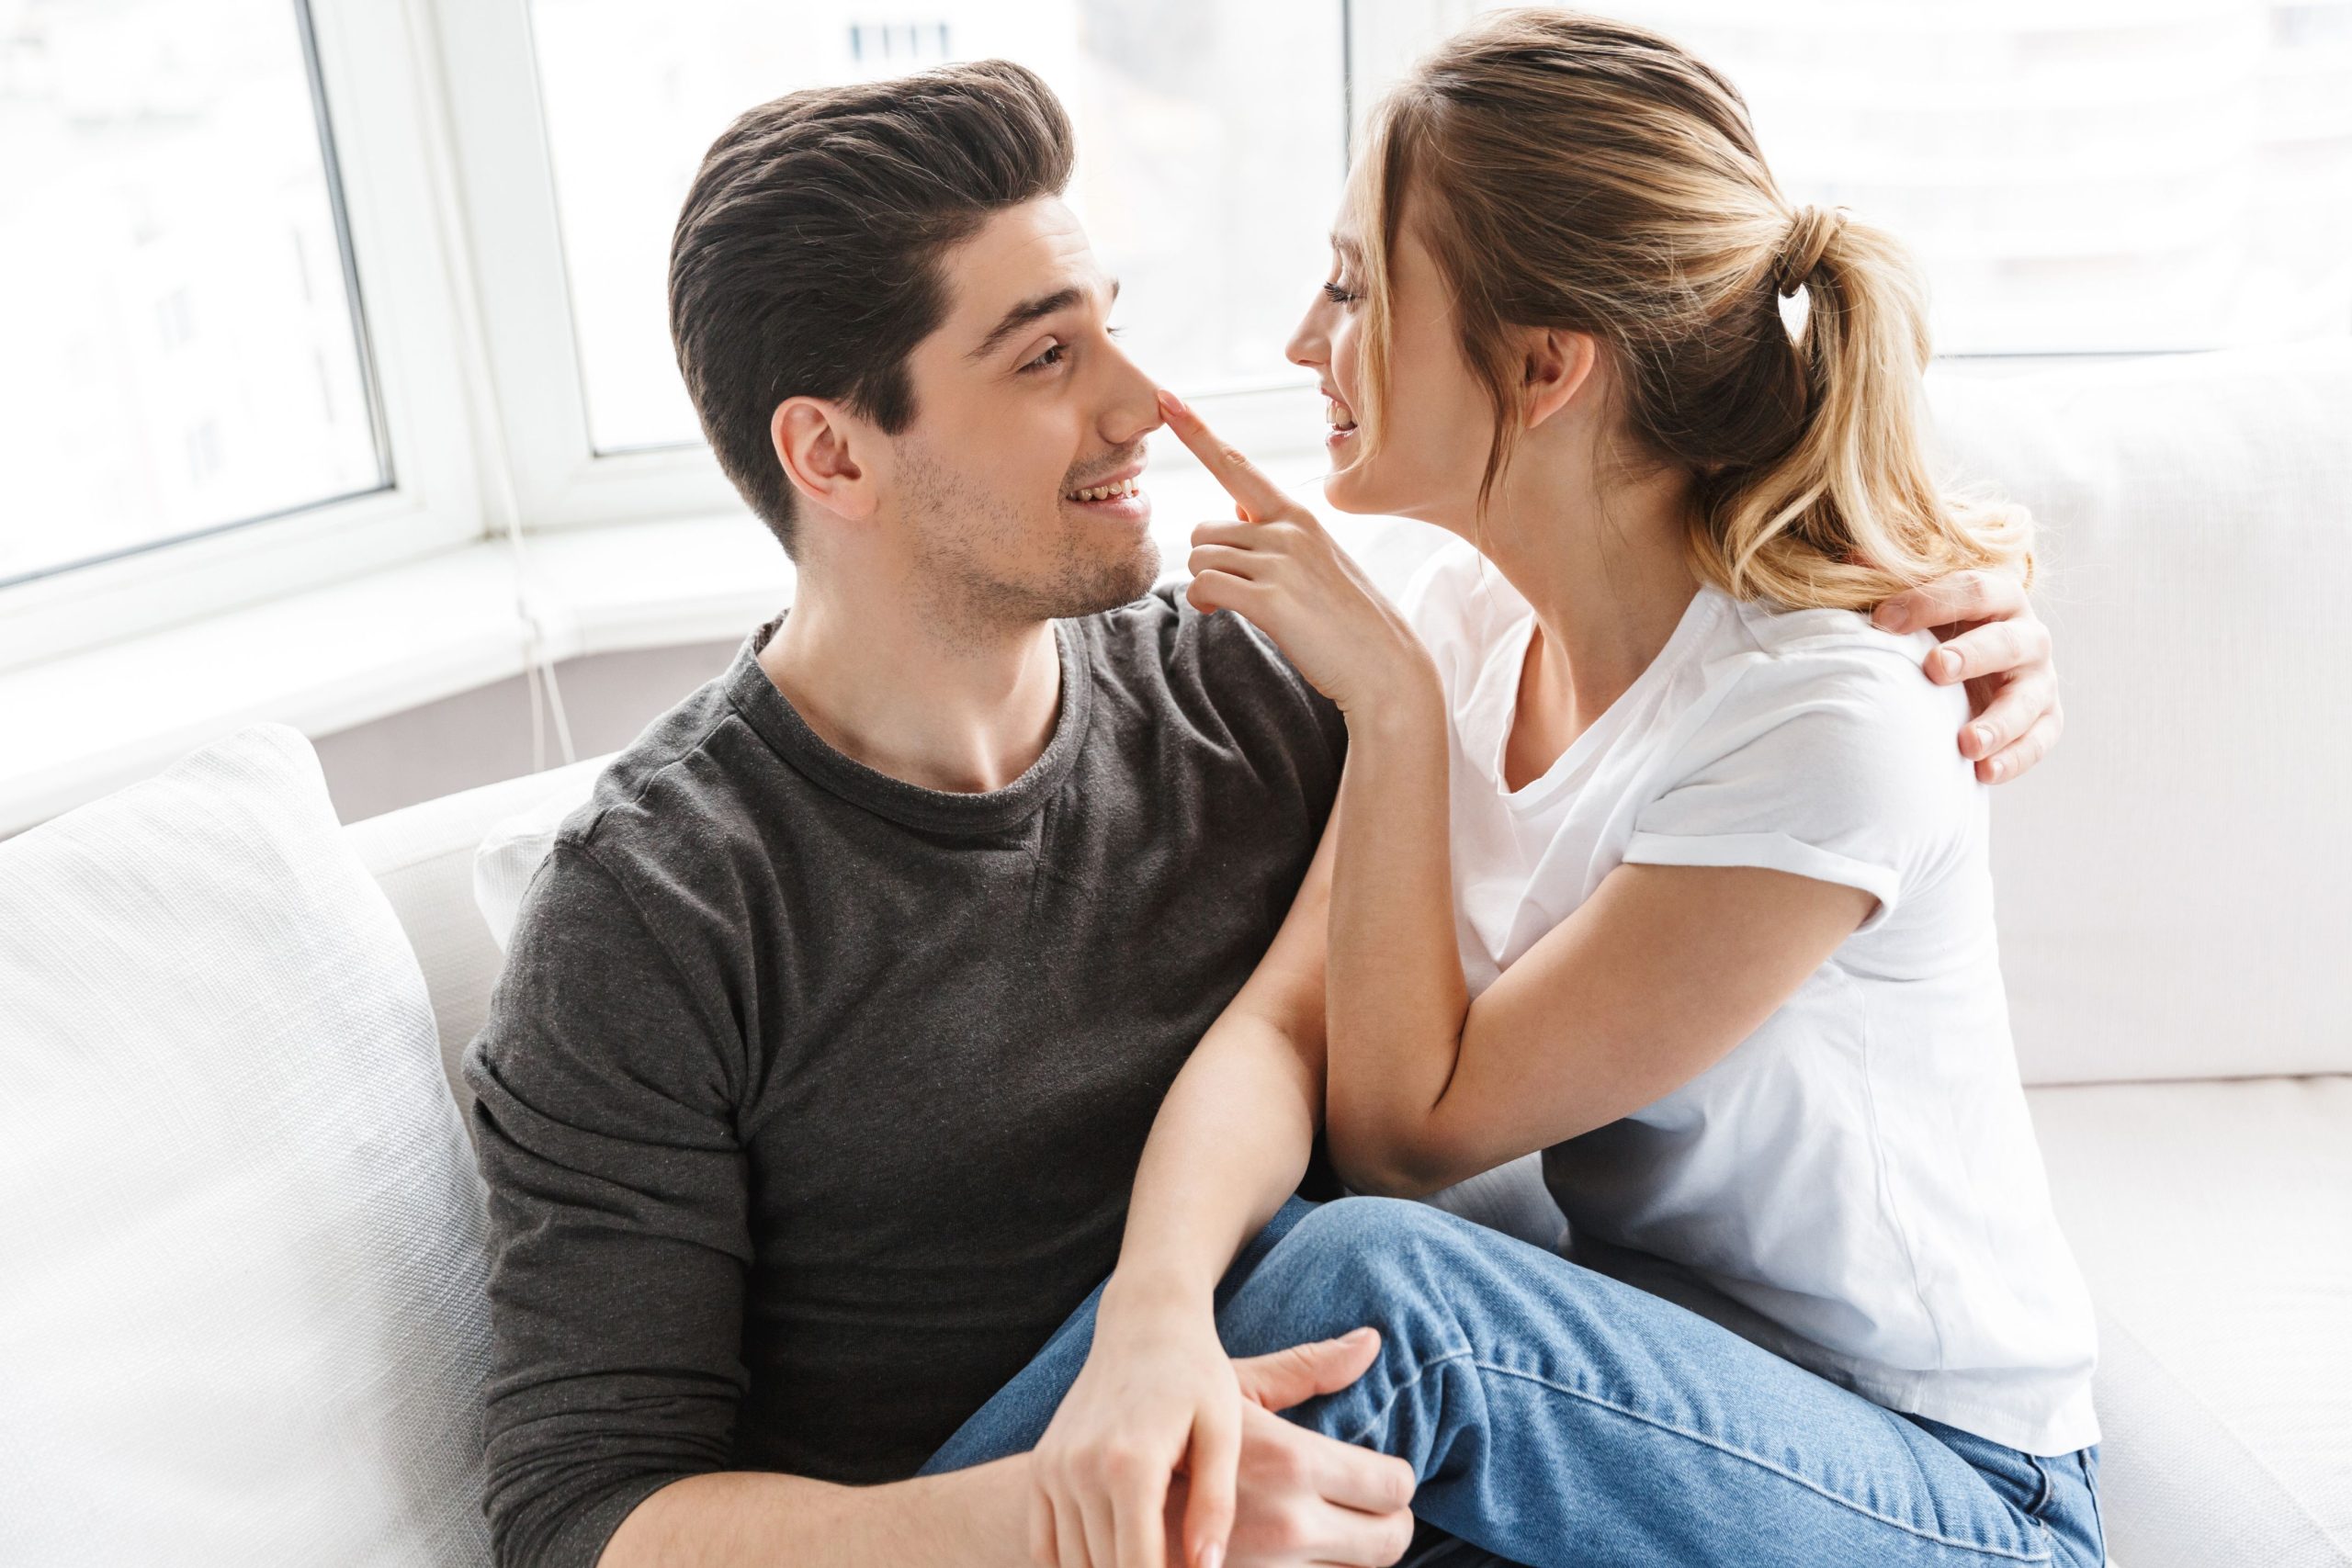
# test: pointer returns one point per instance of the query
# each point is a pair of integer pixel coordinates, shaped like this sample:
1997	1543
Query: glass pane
183	349
1210	137
2075	175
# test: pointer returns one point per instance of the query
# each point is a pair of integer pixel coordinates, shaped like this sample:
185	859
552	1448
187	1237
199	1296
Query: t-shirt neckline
1497	699
771	713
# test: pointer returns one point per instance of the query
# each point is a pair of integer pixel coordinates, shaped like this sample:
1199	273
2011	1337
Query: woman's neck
1607	572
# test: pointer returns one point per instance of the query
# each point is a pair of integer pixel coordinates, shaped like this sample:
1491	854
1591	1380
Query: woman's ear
1557	366
813	439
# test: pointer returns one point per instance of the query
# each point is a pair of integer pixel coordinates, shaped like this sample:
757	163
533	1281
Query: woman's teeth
1337	417
1106	492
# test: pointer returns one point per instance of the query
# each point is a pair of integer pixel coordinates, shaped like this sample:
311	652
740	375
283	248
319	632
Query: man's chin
1118	581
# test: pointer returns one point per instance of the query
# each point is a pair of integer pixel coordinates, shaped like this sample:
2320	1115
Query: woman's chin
1346	489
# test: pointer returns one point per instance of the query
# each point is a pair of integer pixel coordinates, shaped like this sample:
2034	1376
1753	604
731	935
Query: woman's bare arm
1649	983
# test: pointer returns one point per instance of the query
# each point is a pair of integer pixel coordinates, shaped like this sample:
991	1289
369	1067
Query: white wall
485	735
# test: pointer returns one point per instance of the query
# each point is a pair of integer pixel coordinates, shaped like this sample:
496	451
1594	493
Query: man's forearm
969	1518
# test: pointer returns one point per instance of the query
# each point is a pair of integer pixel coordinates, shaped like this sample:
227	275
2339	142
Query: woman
1652	853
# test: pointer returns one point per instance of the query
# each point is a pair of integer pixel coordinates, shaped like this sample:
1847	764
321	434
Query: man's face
1022	401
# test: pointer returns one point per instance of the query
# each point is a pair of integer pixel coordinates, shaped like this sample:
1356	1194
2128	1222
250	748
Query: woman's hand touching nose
1278	568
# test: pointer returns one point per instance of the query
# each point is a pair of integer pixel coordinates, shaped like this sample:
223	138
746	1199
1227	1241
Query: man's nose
1132	410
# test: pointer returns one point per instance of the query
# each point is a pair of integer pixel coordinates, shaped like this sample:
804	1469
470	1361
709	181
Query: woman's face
1439	423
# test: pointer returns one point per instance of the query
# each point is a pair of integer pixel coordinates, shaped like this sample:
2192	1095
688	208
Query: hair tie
1810	232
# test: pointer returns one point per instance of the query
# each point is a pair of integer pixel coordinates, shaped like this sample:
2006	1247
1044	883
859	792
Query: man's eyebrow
1030	311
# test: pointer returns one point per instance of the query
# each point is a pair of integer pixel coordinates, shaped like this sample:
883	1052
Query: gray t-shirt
810	1099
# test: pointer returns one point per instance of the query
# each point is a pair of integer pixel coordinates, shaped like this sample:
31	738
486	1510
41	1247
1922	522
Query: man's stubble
964	539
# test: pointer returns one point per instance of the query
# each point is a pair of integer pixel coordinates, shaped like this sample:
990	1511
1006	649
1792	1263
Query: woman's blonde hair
1577	174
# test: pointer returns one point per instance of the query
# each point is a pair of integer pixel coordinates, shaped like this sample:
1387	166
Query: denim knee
1374	1226
1374	1259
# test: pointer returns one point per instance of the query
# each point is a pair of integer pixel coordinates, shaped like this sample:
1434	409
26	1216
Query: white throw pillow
510	854
243	1310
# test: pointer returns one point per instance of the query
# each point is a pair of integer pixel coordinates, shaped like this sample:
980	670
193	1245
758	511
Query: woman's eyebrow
1030	311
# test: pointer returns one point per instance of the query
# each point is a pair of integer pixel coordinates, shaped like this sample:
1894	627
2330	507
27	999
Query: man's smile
1118	496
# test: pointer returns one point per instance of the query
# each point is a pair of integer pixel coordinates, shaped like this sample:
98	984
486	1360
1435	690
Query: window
187	350
2074	175
197	195
1210	136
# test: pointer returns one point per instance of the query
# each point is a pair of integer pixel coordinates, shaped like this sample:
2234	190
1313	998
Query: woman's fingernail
1212	1556
1170	403
1945	661
1982	735
1888	616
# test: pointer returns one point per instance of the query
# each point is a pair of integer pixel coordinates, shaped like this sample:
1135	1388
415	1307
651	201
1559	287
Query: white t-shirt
1855	1186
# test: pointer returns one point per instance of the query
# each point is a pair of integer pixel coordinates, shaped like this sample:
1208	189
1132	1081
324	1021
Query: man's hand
1303	1497
1307	1500
1995	642
1279	1495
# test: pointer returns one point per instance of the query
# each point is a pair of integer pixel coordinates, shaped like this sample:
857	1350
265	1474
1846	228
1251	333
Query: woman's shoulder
1817	746
1823	702
1785	658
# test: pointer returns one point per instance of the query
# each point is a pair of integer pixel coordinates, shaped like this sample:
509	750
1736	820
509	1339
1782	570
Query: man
831	1031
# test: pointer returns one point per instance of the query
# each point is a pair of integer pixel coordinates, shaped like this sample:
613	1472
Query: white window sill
84	724
76	728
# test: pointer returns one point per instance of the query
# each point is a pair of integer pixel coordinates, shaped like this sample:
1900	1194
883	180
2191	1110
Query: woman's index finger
1261	498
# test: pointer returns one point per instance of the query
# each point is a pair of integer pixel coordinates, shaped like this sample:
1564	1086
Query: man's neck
876	680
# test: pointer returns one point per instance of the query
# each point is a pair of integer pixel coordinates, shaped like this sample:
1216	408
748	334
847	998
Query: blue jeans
1555	1415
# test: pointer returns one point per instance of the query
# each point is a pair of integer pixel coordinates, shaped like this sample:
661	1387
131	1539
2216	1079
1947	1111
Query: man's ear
817	440
1558	364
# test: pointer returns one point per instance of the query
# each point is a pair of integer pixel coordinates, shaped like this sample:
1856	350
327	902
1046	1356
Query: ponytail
1589	175
1850	511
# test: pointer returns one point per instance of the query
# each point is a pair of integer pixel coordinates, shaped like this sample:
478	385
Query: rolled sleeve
1842	768
604	1125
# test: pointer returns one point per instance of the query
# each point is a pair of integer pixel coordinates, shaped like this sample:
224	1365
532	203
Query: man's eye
1047	360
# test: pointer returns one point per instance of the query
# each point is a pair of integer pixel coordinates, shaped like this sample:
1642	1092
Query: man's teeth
1105	492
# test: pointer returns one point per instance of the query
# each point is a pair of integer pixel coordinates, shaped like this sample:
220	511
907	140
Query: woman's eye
1048	360
1337	295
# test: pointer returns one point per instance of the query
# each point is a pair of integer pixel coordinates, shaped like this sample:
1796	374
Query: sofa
209	984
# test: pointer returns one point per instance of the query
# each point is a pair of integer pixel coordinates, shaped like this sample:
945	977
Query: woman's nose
1306	346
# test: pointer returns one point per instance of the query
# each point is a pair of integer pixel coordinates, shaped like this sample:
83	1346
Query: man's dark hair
805	259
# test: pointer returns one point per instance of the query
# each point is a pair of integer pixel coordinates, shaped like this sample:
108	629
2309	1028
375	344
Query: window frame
368	61
538	386
443	161
513	217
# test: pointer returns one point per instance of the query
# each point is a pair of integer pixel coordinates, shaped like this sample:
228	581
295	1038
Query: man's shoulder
1159	647
1162	626
669	805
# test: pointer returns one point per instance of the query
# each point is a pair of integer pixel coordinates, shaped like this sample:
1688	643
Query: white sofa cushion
2213	1221
423	857
2172	887
243	1315
510	854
